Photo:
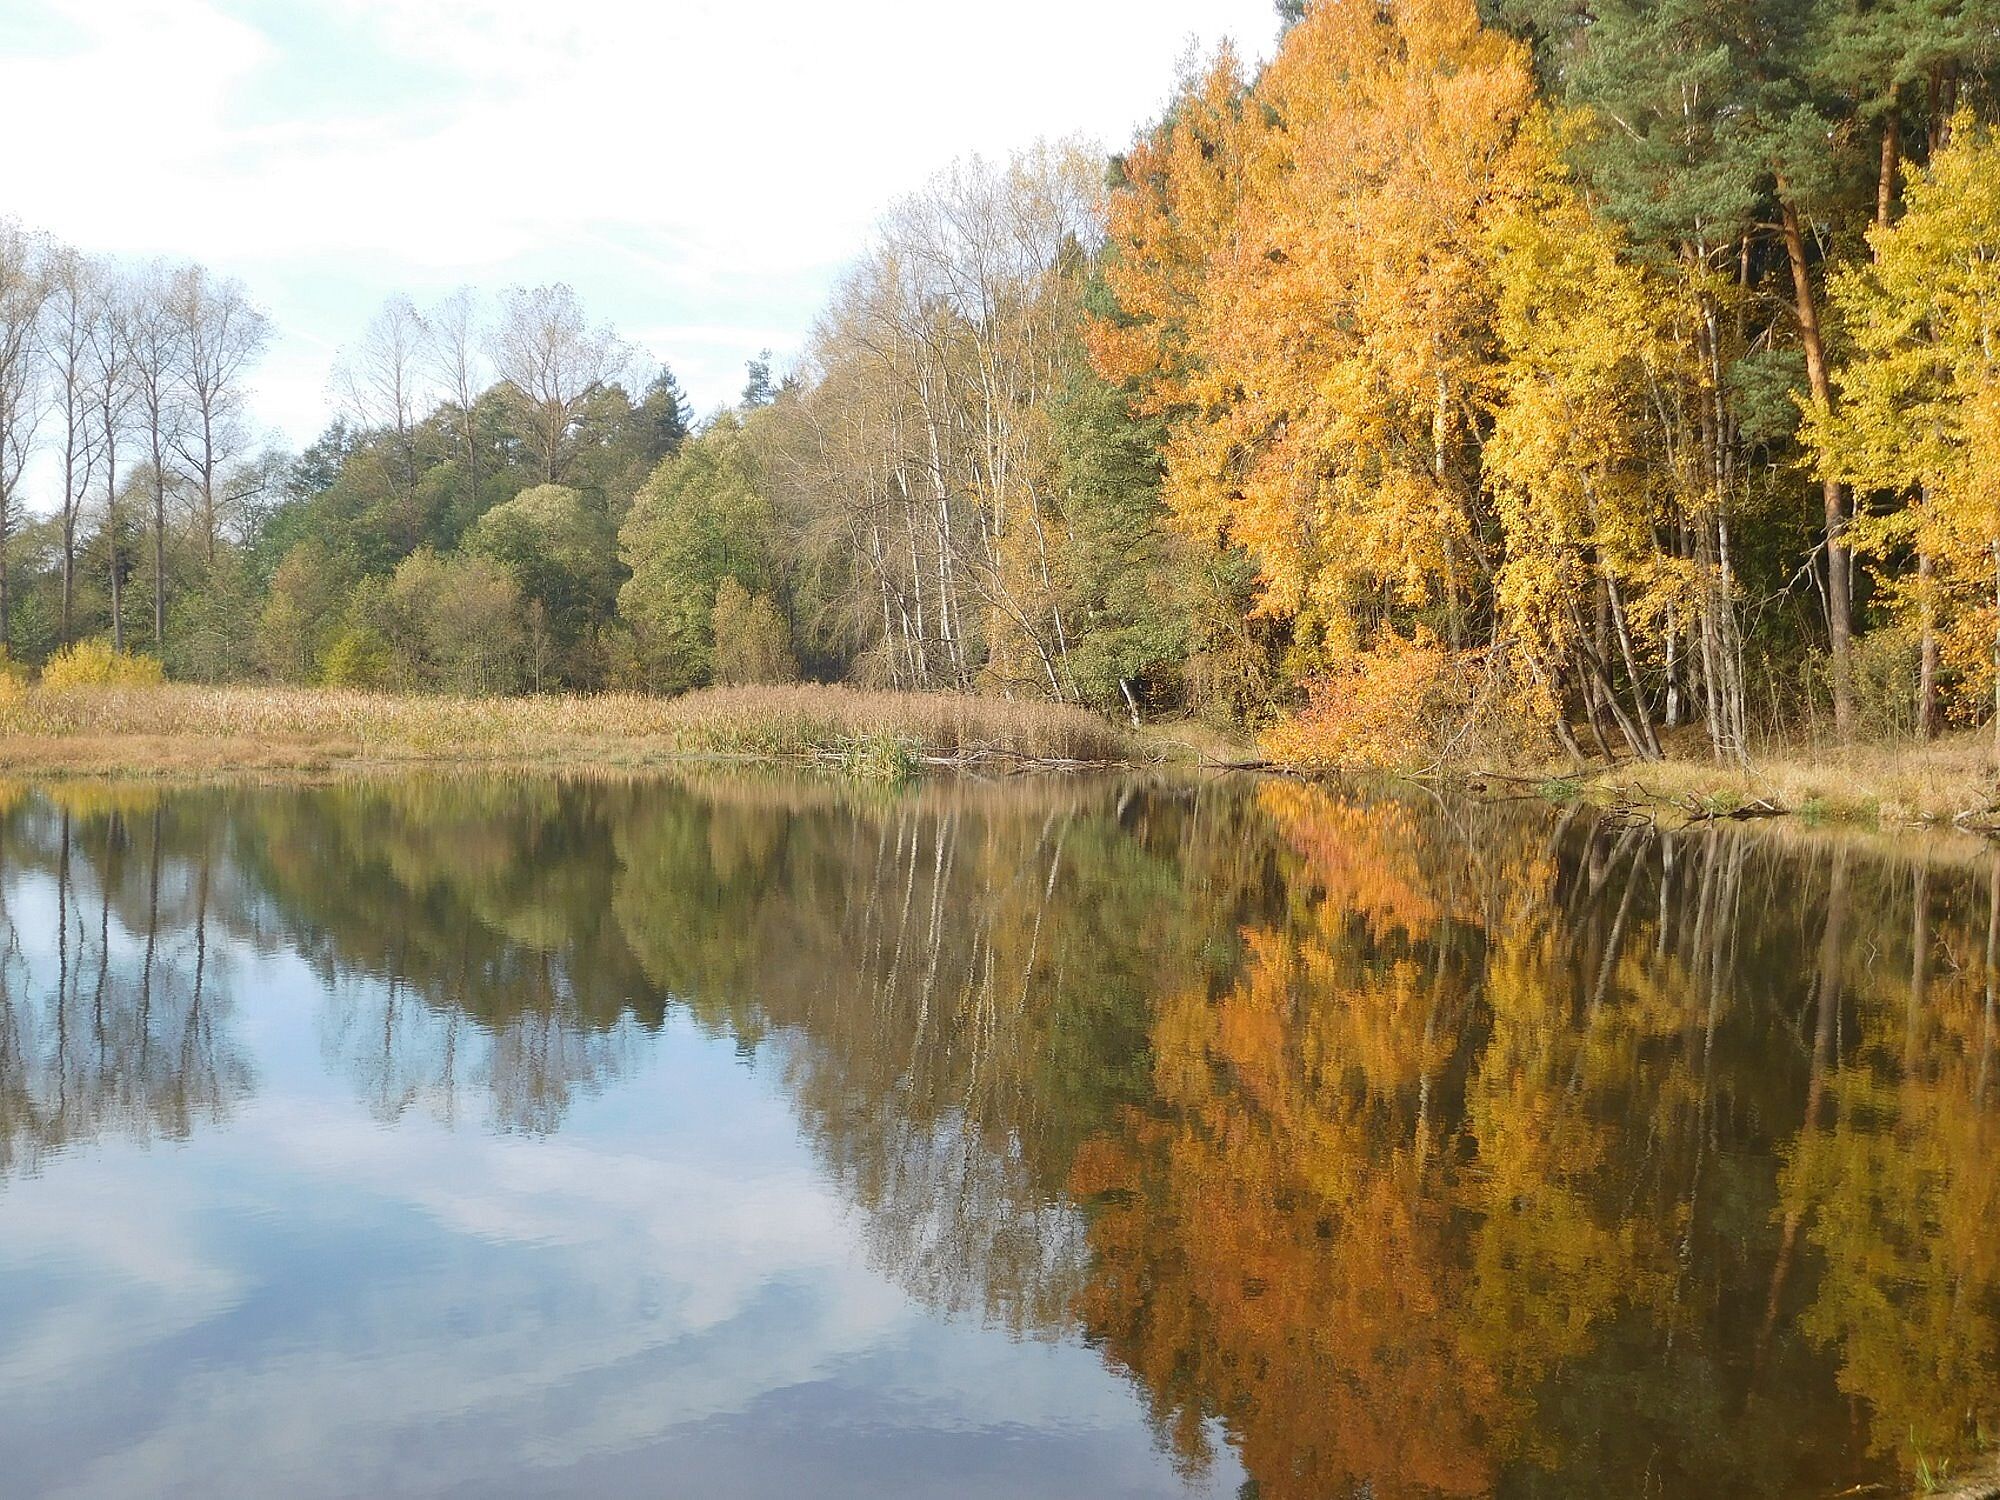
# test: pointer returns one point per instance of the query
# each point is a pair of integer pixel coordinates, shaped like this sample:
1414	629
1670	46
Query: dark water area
744	1136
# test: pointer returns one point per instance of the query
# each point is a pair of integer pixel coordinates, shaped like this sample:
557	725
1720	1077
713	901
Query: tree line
132	381
1518	377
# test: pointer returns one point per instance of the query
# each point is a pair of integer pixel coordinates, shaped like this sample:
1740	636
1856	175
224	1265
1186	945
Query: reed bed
187	727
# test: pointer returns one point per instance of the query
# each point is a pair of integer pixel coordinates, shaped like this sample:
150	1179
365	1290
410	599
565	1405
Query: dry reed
183	727
1951	780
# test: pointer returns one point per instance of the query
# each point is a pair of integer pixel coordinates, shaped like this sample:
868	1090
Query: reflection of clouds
434	1309
127	1267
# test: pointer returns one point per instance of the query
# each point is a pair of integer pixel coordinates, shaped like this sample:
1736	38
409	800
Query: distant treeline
1530	378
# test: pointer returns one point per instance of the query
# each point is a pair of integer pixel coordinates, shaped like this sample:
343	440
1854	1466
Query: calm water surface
749	1137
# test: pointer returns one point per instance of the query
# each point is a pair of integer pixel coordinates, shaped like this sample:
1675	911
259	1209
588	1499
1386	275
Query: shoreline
181	731
1947	784
185	731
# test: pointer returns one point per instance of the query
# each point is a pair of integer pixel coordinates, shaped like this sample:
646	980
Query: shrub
1885	684
1407	705
752	645
358	658
94	663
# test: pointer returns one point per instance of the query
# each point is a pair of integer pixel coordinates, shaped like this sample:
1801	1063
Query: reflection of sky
666	1296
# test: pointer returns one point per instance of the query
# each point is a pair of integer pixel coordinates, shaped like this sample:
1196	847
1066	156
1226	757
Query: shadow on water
1405	1147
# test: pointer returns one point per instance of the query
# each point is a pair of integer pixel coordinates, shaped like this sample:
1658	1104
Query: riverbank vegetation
1459	387
187	728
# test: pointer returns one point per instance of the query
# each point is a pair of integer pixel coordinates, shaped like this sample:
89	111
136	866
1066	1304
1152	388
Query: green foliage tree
701	518
459	625
1132	617
563	556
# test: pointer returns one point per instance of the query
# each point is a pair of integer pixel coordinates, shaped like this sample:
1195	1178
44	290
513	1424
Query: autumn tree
1302	270
554	361
1920	397
752	643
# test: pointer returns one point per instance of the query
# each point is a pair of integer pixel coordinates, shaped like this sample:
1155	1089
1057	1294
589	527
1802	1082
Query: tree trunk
1839	609
1927	654
1892	155
159	557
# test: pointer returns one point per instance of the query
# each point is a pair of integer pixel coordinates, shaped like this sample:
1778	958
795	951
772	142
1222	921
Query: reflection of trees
1416	1148
1897	1175
123	1028
960	979
1467	1181
463	930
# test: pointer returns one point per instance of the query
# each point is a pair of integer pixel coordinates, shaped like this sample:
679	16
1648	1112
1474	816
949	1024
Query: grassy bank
1951	781
181	729
184	729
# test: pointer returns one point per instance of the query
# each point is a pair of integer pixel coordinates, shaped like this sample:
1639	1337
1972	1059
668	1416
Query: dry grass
182	729
1950	781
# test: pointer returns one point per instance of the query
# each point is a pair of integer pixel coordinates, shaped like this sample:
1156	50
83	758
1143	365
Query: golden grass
183	729
1952	780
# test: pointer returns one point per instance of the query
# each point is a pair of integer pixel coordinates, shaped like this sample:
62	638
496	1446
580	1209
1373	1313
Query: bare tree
452	346
23	290
221	333
554	361
110	366
380	379
68	325
156	386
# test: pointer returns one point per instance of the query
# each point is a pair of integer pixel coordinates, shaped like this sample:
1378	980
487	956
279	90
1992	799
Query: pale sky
699	171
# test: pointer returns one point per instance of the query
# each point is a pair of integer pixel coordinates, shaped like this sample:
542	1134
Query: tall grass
184	726
1950	780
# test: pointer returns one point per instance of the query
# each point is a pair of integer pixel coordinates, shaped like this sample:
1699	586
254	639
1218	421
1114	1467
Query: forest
1515	379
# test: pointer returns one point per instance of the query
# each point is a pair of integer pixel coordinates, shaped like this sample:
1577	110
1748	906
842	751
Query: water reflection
1385	1145
112	1015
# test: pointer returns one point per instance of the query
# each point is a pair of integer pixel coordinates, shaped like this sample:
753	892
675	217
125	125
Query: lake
748	1135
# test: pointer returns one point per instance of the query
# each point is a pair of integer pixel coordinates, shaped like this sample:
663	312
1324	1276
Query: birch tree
112	393
23	291
158	412
383	379
221	334
455	363
76	287
554	360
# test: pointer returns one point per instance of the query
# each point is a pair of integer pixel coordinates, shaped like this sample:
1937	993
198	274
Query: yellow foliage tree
1304	282
1919	409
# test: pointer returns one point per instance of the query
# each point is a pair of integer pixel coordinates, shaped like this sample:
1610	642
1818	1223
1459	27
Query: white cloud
691	167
